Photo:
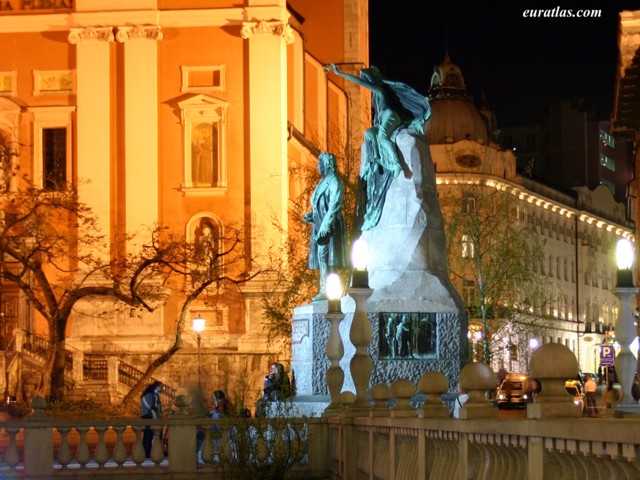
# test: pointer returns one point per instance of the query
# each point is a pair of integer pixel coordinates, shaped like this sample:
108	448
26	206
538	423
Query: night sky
518	63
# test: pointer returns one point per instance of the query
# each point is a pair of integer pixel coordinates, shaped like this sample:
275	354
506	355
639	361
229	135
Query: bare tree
495	259
58	261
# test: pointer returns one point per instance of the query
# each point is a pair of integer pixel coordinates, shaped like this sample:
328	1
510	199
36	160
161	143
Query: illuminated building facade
579	230
186	113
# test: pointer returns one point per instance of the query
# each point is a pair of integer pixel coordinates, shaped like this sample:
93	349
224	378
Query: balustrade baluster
101	453
64	451
138	454
157	450
12	458
207	445
120	449
82	452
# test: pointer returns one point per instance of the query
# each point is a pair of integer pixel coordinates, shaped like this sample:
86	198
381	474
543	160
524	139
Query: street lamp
360	258
625	362
198	324
361	333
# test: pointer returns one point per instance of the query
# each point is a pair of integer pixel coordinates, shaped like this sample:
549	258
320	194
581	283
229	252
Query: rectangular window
469	292
203	79
203	120
608	162
52	152
54	158
468	250
469	204
607	139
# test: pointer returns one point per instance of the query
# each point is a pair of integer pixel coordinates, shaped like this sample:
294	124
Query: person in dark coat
328	249
150	407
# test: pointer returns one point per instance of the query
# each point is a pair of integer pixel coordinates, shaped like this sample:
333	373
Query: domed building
578	233
454	115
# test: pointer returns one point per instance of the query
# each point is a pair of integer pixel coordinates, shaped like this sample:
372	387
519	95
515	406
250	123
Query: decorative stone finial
402	390
552	365
380	393
433	385
476	378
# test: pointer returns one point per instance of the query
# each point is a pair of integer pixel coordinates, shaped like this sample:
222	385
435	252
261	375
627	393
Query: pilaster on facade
93	122
140	142
267	126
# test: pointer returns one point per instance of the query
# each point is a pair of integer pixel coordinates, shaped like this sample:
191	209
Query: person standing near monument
328	236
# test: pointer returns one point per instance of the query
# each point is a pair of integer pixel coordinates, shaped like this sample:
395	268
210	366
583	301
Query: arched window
204	232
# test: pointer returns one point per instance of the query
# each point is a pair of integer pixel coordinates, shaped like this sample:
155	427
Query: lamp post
360	335
335	348
198	324
625	362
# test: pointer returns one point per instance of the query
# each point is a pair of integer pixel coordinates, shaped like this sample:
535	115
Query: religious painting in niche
407	335
204	154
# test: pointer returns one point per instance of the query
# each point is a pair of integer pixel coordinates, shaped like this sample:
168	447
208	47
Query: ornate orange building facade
188	114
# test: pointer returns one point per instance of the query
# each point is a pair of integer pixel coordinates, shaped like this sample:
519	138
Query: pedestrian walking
150	407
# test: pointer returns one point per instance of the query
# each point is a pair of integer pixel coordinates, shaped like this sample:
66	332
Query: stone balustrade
394	440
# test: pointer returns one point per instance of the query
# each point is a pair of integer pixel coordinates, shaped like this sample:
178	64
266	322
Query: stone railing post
433	385
625	361
19	335
38	442
380	394
361	364
552	364
402	390
335	351
112	377
78	367
476	378
182	434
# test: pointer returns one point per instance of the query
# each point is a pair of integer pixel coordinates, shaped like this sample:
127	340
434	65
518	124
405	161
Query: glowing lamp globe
360	259
624	258
198	324
333	288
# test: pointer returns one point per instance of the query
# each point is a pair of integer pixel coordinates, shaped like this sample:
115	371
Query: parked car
516	390
576	390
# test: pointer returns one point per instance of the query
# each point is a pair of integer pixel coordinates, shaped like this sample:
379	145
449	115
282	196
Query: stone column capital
77	35
132	32
249	29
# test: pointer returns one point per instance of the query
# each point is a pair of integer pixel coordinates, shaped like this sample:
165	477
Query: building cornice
537	200
218	17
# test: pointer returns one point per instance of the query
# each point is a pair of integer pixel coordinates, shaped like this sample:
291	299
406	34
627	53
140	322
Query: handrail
94	367
129	375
